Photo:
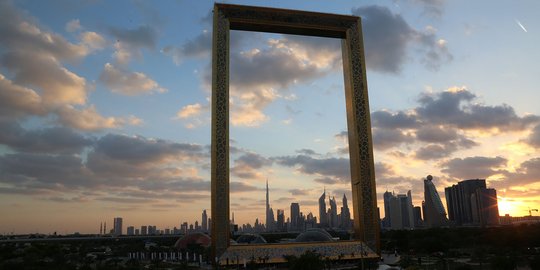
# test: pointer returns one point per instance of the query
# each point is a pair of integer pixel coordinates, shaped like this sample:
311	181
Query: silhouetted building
332	213
280	224
117	226
130	230
399	209
488	208
270	220
323	218
387	220
204	221
295	217
417	214
345	215
434	213
462	203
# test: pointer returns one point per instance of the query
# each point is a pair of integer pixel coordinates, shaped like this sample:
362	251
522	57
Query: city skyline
104	109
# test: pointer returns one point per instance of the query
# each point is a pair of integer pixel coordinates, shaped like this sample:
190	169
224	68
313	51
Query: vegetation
308	260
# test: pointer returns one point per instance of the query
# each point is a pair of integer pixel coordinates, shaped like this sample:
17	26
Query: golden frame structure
349	30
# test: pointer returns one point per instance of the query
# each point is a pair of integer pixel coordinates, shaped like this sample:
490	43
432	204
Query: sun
506	206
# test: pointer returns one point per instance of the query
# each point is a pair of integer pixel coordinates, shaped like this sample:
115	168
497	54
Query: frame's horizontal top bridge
272	20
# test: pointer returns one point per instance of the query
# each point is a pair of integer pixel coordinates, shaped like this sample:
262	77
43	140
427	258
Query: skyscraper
117	226
417	213
345	215
434	213
204	221
387	221
461	201
295	217
323	218
398	211
280	224
332	213
488	208
269	211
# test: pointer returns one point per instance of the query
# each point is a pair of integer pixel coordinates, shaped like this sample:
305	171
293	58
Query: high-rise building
270	220
417	214
462	203
434	213
144	230
398	211
204	221
130	230
332	213
280	224
488	208
407	209
323	217
117	226
387	221
345	215
295	217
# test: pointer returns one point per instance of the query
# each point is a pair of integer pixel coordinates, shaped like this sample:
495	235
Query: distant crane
531	210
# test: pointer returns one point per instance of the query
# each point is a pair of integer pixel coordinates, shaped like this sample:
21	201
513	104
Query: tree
306	261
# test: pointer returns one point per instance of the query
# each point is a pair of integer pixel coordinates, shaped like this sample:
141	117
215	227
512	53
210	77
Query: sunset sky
104	108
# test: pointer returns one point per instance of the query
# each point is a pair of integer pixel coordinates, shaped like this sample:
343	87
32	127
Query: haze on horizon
104	109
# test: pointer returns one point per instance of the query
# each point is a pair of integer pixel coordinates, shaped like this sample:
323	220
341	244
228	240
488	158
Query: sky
104	108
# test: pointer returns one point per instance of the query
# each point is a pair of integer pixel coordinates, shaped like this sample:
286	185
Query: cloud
21	33
526	173
93	40
40	85
261	75
189	110
434	151
387	37
73	25
201	46
141	150
141	37
473	167
299	192
130	42
432	8
46	140
57	161
128	83
17	101
534	137
307	152
249	165
236	187
54	171
433	134
59	86
441	121
277	66
385	119
455	107
326	169
442	142
387	138
383	169
88	119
